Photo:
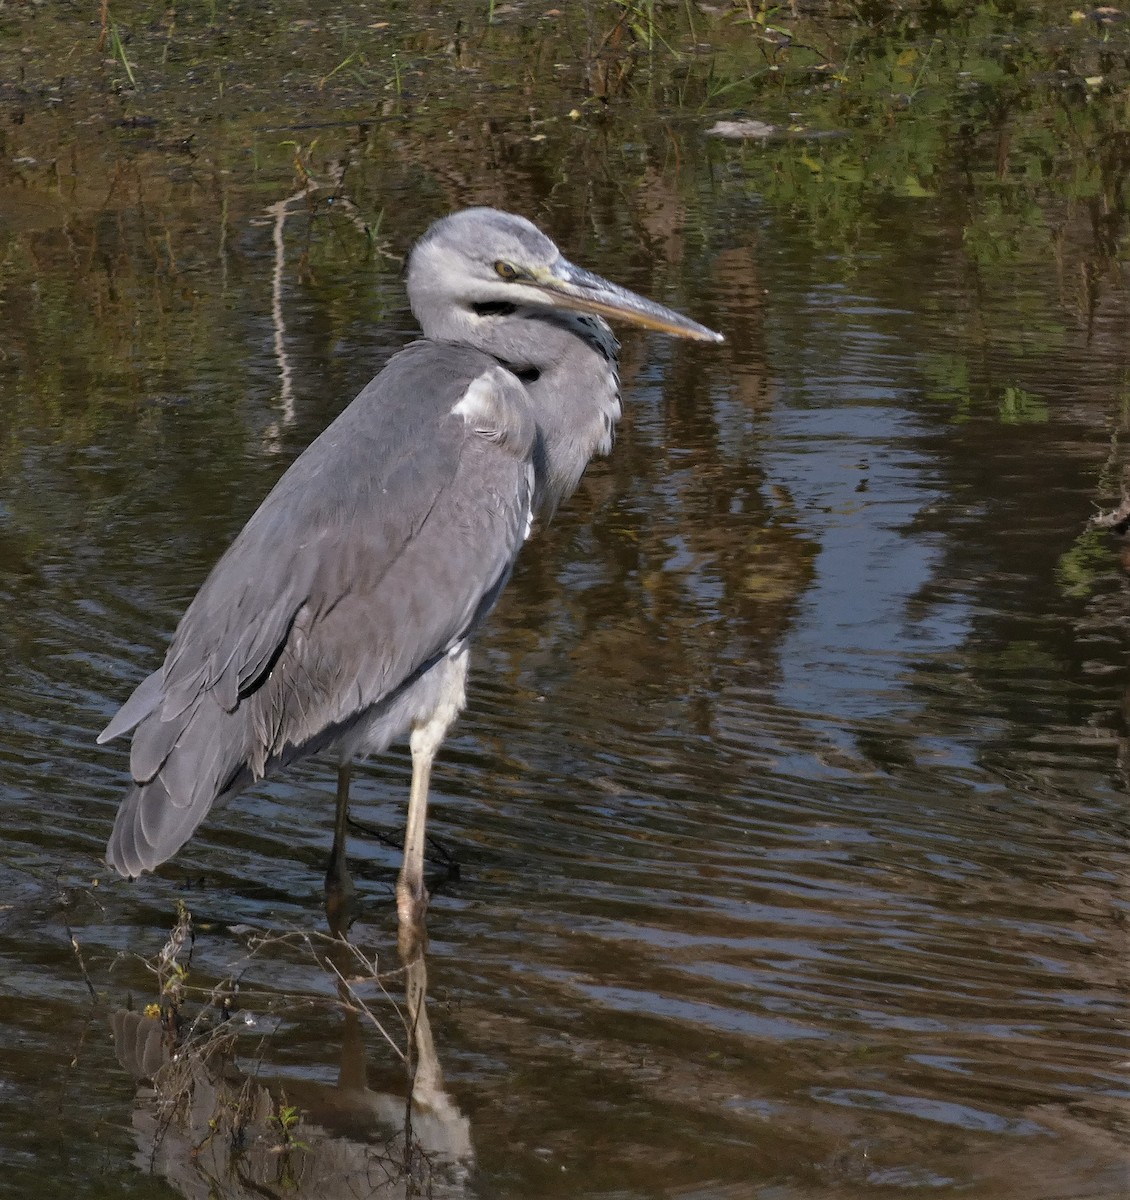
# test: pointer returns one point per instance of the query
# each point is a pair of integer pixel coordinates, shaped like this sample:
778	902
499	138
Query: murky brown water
790	801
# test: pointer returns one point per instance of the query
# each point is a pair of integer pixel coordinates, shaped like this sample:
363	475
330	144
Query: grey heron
339	619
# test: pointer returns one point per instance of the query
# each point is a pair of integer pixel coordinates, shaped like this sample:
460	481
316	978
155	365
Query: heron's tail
150	828
180	767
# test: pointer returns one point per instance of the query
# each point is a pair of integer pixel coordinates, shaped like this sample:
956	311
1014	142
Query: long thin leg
411	894
426	738
340	893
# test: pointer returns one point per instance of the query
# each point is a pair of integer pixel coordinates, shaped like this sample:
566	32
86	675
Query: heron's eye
507	271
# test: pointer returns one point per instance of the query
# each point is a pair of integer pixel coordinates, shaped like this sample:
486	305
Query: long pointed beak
575	288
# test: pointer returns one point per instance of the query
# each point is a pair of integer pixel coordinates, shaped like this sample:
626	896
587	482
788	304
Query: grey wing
364	637
378	550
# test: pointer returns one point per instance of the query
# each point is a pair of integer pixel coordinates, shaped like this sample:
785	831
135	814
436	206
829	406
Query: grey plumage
339	618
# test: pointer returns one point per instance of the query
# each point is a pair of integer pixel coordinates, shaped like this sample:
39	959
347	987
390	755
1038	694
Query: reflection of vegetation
1022	655
1027	110
1019	407
948	382
780	560
131	262
213	1116
1009	120
1087	563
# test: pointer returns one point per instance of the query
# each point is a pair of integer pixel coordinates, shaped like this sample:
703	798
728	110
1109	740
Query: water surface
790	800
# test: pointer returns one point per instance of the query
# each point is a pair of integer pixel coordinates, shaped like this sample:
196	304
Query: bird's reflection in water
214	1130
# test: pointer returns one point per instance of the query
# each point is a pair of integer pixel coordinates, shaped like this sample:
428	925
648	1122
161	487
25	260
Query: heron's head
480	264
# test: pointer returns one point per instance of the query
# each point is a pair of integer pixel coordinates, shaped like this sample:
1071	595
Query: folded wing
380	549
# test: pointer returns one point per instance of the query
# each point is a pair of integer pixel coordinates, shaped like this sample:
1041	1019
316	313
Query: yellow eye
505	270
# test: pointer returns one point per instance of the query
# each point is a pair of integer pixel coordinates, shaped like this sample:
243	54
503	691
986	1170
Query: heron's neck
568	363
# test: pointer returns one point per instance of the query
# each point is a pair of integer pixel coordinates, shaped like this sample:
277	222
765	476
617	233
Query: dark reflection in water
210	1121
790	799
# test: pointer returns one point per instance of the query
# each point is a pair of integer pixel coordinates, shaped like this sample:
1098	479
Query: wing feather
141	703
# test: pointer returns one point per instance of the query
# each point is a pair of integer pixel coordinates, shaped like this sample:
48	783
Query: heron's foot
411	940
411	909
411	900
